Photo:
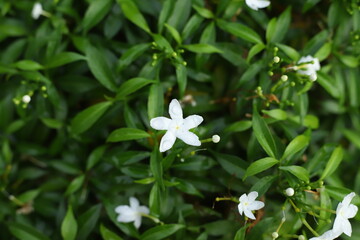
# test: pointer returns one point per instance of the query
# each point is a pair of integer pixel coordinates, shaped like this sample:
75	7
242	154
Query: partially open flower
344	211
177	127
328	235
132	213
248	204
308	66
36	11
256	4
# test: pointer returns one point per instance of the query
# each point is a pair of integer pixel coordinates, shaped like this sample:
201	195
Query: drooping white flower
256	4
328	235
344	211
36	11
309	68
132	213
177	127
248	204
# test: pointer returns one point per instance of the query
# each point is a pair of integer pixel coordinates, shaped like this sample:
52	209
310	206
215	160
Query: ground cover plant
179	119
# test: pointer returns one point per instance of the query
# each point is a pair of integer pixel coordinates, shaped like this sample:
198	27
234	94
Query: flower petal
249	214
143	209
189	138
123	209
137	222
160	123
252	196
134	203
167	141
342	225
175	110
192	121
351	211
241	208
262	3
347	199
256	205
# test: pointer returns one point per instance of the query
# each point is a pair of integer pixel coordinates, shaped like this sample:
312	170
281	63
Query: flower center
246	203
177	127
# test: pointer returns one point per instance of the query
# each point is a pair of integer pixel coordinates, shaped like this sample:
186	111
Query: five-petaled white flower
344	211
248	204
132	213
36	11
309	68
256	4
176	127
328	235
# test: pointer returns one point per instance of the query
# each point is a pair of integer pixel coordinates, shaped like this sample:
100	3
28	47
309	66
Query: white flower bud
313	77
284	78
275	235
37	11
301	237
276	59
290	192
215	138
26	99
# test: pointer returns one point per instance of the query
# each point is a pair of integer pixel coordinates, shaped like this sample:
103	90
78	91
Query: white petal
347	199
252	196
37	10
175	110
251	4
167	141
262	3
346	227
160	123
342	225
126	218
241	209
189	138
123	209
192	121
143	209
256	205
243	198
134	203
249	214
137	222
351	211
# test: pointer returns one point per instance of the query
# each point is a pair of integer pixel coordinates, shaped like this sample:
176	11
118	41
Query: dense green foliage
95	72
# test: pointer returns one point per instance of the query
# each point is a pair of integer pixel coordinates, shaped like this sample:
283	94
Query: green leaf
323	52
126	134
28	65
132	13
96	11
349	61
131	55
201	48
156	166
86	118
240	234
240	31
204	12
155	101
277	114
282	25
255	50
239	126
299	172
261	186
333	163
328	84
354	137
289	51
69	225
87	221
100	68
75	185
106	234
296	145
181	76
52	123
95	156
260	166
131	86
26	232
191	26
161	232
174	33
63	58
235	166
263	135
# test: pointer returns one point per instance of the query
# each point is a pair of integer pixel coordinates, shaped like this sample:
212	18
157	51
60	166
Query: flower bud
284	78
290	192
215	138
275	235
26	99
301	237
276	59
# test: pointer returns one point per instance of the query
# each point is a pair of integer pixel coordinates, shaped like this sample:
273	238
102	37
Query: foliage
97	71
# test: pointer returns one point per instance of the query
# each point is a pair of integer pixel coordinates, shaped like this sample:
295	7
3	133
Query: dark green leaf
63	58
132	13
299	172
126	134
131	86
240	31
260	166
333	163
161	232
69	225
95	13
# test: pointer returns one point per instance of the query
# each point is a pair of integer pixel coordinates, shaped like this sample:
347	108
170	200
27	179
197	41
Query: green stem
156	220
303	220
218	199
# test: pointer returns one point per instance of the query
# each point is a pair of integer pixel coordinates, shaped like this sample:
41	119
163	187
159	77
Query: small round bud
154	56
290	192
301	237
270	73
276	59
284	78
215	138
174	54
313	77
292	84
275	235
43	88
184	63
182	160
26	99
276	49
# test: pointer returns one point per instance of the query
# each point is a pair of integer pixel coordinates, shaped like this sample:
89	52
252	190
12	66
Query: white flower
26	99
176	127
256	4
290	192
36	11
248	204
344	211
132	213
215	138
328	235
312	65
